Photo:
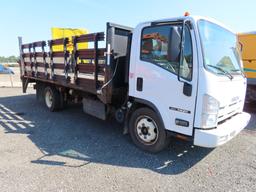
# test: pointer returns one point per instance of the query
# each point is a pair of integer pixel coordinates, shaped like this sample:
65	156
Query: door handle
187	89
139	84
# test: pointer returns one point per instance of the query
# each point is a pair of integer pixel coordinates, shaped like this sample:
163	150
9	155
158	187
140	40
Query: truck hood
230	94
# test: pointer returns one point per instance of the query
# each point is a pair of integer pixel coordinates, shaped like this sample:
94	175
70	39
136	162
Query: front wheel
147	131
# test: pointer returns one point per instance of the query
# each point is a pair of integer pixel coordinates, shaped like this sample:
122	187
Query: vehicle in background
177	77
5	70
58	33
248	47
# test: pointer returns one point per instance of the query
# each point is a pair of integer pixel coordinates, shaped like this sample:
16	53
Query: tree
10	59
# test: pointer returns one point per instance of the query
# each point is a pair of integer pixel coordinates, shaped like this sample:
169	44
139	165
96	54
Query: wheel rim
146	130
48	99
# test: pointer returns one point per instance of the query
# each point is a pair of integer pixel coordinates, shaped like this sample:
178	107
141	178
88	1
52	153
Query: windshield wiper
223	71
238	70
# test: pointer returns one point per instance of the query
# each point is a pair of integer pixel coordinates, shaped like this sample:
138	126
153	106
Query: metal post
96	59
10	75
35	60
65	58
44	61
75	59
30	60
51	59
22	66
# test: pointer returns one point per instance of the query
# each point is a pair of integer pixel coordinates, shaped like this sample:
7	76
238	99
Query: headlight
209	120
210	112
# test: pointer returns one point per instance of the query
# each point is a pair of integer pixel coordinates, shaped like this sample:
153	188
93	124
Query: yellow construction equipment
58	33
248	45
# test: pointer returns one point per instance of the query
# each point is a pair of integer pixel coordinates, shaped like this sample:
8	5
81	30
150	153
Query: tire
147	130
250	94
52	98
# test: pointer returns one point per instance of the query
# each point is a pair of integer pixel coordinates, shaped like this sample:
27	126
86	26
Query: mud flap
25	82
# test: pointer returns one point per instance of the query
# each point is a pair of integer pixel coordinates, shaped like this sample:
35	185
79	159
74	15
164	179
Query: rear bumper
223	133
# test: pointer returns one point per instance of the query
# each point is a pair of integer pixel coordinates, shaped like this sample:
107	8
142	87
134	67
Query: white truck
177	77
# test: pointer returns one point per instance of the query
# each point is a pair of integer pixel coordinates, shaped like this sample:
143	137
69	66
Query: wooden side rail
93	54
80	67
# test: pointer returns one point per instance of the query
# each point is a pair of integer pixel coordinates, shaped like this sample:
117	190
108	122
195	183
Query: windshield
220	49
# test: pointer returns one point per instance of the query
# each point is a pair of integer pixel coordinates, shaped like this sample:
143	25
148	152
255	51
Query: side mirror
173	54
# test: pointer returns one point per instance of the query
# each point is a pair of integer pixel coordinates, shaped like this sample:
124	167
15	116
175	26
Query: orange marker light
186	14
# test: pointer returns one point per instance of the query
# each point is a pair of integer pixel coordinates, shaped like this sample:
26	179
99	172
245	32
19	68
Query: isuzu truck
177	77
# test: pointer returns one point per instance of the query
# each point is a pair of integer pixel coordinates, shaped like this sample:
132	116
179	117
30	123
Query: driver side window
160	45
187	61
155	43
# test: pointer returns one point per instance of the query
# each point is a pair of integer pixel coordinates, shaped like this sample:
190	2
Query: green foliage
10	59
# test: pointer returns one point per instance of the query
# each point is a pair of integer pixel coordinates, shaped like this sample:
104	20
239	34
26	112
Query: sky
33	19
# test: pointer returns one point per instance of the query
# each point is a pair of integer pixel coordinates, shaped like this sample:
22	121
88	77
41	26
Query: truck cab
187	71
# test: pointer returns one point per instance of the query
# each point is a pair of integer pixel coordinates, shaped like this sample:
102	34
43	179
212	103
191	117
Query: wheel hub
144	130
48	99
147	130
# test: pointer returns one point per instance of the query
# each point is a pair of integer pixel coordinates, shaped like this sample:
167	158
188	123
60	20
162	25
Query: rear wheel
147	131
52	98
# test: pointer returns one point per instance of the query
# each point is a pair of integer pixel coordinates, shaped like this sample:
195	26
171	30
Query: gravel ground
71	151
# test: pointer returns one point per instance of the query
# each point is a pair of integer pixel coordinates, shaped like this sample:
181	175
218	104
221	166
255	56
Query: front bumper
223	133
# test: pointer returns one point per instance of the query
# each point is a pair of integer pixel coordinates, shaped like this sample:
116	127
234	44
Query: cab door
163	75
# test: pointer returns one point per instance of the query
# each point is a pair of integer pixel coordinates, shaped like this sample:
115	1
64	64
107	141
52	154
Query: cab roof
190	17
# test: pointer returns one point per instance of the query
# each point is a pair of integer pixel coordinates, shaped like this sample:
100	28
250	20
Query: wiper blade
223	71
238	70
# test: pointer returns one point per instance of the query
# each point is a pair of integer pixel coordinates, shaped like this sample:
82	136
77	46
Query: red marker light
186	14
